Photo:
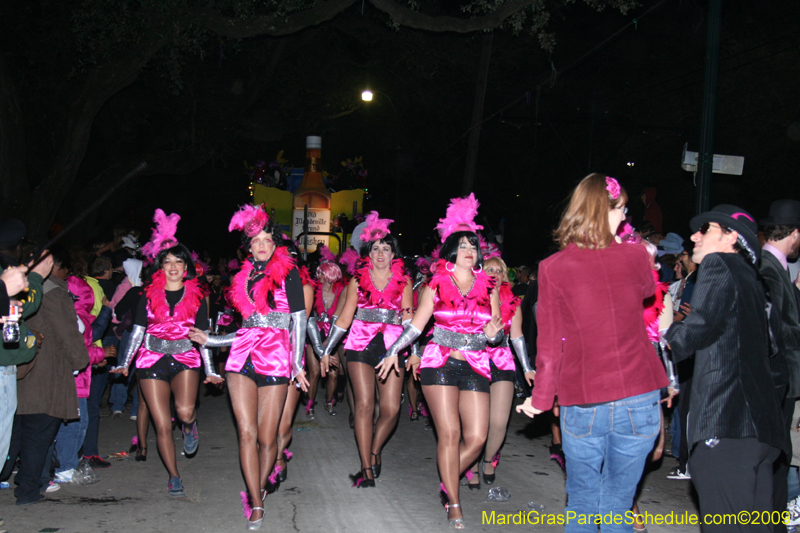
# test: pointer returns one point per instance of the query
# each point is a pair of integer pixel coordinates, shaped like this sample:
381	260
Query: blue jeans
606	447
99	381
119	383
69	439
8	406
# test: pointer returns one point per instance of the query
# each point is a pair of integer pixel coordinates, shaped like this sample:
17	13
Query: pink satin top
324	319
169	330
361	333
458	320
269	349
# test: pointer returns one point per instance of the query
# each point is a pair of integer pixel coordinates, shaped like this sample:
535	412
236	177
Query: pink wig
163	234
460	216
250	219
329	272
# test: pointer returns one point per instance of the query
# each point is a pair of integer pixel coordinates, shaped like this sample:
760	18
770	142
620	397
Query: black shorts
501	375
164	369
248	370
371	355
455	373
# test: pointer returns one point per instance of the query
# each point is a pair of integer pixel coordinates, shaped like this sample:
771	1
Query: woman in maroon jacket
594	354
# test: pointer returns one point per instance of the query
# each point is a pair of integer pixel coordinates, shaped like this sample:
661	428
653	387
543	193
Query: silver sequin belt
385	316
273	319
459	341
154	344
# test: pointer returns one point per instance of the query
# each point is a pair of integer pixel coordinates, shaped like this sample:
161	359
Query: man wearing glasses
735	431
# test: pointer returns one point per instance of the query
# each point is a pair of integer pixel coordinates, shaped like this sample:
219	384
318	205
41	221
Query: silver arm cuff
299	328
415	349
218	341
314	336
497	338
405	339
208	362
669	366
134	343
521	350
333	339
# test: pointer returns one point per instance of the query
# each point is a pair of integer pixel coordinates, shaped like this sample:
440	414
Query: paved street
132	497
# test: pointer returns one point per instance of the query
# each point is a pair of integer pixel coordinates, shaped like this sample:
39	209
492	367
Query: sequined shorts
371	355
455	373
164	369
248	370
501	375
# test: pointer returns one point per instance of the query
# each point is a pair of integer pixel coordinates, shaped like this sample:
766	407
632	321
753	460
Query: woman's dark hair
390	239
61	257
272	228
181	252
450	247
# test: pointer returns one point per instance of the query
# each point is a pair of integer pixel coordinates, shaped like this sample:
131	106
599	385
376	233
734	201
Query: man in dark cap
11	233
735	429
783	243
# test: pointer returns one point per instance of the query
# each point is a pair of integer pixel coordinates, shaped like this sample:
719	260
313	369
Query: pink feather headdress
376	229
326	255
461	215
250	219
488	250
349	259
163	234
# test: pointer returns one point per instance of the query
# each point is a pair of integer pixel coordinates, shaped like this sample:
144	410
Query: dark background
618	94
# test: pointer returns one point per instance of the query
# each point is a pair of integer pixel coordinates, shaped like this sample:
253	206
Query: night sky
619	94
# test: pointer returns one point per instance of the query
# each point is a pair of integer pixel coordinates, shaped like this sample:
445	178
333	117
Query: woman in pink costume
280	472
503	368
266	352
167	361
327	292
455	369
378	300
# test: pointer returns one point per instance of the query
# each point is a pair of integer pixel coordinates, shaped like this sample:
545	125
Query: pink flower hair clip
613	188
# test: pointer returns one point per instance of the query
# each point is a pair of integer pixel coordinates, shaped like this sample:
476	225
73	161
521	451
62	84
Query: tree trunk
477	115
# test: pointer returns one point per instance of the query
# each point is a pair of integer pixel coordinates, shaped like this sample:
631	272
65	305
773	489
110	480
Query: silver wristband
521	350
218	341
298	333
497	338
405	339
134	343
415	349
335	336
314	336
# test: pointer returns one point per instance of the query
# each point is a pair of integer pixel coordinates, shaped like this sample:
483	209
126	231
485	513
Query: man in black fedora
783	243
735	429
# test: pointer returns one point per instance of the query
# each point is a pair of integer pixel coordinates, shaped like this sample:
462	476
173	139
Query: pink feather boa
394	289
305	277
349	260
278	268
443	283
508	304
654	305
185	310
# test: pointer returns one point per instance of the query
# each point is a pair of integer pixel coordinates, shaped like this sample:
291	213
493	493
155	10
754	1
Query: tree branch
238	29
413	19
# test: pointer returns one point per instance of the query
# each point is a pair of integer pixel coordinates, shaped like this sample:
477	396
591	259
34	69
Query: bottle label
319	220
313	164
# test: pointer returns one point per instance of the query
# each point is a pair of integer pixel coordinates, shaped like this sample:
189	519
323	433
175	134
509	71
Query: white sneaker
52	487
793	508
133	417
65	476
678	474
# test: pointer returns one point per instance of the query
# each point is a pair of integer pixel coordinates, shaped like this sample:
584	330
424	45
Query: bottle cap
313	142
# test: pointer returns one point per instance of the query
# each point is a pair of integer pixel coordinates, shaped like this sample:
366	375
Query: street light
368	95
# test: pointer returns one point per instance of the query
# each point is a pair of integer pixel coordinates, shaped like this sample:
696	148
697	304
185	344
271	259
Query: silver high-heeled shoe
255	525
455	523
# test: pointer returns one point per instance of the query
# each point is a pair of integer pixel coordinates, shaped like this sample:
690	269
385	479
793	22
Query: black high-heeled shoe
283	474
141	454
487	478
361	481
376	468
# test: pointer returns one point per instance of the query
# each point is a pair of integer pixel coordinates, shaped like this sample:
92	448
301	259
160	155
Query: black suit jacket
733	394
786	305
